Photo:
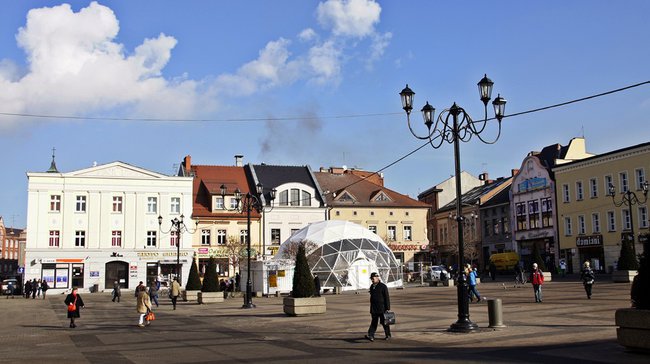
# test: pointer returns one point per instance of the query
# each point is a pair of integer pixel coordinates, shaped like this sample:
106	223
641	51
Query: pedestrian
74	303
471	279
379	304
44	287
316	285
588	276
35	288
562	267
153	292
137	289
144	305
28	288
537	279
11	288
223	286
117	291
40	288
237	280
493	271
176	291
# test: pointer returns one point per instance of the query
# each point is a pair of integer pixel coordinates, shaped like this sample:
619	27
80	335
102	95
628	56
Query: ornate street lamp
178	226
249	202
629	199
454	125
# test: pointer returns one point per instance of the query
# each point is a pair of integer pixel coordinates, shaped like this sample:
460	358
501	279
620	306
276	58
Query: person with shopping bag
74	303
144	306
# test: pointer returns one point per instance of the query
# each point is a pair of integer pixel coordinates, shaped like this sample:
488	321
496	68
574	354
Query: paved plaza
566	327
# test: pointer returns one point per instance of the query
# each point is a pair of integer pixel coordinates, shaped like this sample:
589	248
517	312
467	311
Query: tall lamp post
177	225
248	202
454	125
629	199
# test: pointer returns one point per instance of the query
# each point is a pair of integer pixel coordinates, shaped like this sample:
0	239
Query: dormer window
381	197
345	197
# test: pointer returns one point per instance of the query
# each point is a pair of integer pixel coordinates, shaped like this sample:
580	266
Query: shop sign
590	240
219	252
157	255
403	247
133	271
94	273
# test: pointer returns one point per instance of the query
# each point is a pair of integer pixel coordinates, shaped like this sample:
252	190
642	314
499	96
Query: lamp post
177	225
248	202
454	125
629	199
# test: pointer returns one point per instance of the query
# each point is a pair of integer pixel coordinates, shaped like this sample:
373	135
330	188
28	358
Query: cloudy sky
298	82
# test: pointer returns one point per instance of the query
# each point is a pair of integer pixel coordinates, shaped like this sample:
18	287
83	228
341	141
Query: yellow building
591	225
360	197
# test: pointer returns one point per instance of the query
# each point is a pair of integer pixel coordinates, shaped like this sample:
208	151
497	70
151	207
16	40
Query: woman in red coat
74	303
537	279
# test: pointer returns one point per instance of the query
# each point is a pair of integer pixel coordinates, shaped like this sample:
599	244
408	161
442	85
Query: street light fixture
177	225
249	202
629	199
461	127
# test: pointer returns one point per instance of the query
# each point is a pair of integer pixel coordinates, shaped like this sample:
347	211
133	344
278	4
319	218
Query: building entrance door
117	271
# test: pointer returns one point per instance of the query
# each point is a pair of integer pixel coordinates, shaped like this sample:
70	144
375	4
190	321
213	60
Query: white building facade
92	227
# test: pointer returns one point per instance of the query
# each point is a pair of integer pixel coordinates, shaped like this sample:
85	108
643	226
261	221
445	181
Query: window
55	203
579	191
391	232
151	238
80	238
373	228
173	238
54	238
611	221
407	233
565	193
354	213
533	214
242	236
372	213
221	236
643	216
284	198
622	177
581	225
80	206
506	225
567	226
381	197
522	221
117	204
338	213
595	223
639	175
609	181
275	236
234	204
547	212
625	215
295	197
306	198
593	188
175	206
495	226
293	231
152	205
205	236
486	227
116	238
406	213
218	203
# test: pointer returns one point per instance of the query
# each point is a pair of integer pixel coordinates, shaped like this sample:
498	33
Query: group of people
35	288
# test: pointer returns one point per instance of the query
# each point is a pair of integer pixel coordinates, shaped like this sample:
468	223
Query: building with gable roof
361	197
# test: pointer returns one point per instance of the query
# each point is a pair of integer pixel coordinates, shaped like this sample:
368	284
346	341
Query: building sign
133	271
532	184
94	273
218	252
403	247
590	240
156	255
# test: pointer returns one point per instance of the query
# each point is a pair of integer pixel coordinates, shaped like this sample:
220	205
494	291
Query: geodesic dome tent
346	255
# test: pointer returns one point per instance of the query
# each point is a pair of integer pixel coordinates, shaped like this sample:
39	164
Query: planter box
547	276
191	296
623	276
304	306
633	330
209	297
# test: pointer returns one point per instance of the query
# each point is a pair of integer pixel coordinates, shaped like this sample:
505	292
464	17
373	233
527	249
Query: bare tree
290	249
234	247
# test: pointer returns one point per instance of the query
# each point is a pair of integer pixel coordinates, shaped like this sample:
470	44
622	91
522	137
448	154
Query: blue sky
332	68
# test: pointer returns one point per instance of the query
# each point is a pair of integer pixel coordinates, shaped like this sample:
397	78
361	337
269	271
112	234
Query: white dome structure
346	254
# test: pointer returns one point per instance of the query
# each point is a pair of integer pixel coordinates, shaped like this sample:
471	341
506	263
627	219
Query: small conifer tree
303	282
627	260
537	258
640	292
210	283
193	280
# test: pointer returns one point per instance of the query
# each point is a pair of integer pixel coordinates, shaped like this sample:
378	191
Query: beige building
360	197
590	223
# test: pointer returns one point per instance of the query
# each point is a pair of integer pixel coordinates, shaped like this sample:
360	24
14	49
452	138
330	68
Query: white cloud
379	43
307	35
353	18
324	61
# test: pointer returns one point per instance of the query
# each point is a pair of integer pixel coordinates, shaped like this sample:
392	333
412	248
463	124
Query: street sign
21	270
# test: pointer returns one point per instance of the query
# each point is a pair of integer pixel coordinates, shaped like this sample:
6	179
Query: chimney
513	172
187	163
483	176
239	160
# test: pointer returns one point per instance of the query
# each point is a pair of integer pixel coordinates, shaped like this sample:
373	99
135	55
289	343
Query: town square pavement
566	327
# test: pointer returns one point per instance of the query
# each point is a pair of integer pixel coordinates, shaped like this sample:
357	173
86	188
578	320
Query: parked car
438	273
15	283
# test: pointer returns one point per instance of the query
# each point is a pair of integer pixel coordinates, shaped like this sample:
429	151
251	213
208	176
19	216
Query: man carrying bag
379	305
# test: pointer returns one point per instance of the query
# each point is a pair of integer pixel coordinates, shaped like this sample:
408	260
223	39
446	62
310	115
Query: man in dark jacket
379	303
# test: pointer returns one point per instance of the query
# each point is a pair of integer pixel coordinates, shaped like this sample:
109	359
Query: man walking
117	291
587	275
379	303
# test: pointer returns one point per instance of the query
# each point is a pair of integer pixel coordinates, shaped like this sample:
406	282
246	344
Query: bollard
495	313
